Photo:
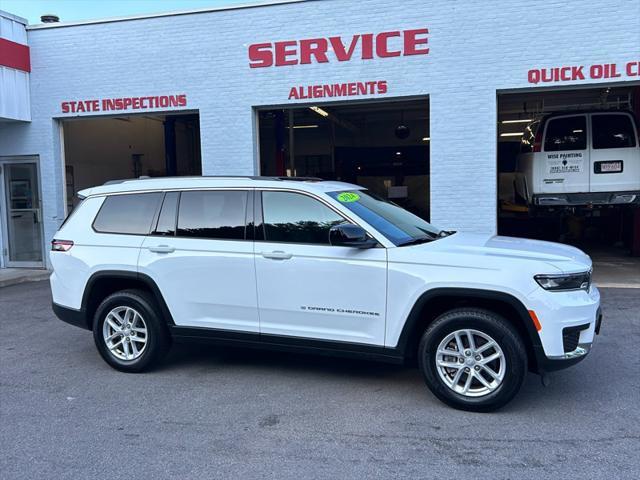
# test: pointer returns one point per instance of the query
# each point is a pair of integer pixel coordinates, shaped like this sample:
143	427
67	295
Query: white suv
580	158
321	267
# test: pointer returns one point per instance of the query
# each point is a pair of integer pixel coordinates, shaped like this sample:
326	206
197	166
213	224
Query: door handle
278	255
162	249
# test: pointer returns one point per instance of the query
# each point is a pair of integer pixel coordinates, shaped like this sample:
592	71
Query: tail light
537	141
61	245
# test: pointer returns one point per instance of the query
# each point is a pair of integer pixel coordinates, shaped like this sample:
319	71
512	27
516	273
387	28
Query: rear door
565	158
201	258
615	154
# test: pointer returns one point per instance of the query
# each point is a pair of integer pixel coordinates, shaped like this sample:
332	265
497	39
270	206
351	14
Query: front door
21	212
308	288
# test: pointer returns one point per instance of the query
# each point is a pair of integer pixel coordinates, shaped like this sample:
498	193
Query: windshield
395	223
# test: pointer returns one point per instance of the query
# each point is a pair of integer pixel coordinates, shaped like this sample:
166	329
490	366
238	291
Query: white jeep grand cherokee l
322	267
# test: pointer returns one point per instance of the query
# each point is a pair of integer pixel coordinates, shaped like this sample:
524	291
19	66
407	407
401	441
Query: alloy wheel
125	333
470	363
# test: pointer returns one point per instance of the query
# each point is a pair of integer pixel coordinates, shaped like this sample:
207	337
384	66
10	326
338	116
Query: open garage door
569	167
97	150
383	146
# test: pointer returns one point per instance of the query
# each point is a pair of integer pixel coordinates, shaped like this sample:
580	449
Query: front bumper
570	321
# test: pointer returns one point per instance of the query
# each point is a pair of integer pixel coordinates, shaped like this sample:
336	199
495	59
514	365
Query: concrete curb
18	277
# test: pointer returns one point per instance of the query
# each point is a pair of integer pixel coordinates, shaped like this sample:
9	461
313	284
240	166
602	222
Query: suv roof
178	183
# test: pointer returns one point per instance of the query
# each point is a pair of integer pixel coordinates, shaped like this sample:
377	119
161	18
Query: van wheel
129	331
472	359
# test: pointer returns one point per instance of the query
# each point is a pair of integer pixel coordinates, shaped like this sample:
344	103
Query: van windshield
397	224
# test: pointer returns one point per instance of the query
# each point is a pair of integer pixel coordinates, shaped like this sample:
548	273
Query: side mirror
348	235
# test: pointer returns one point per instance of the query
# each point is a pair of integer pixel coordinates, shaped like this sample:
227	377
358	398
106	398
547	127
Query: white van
580	158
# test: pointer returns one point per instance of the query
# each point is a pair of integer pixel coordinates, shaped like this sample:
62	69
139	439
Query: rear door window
612	131
218	214
566	133
131	214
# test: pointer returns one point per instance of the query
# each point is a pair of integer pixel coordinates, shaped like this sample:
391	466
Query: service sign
320	50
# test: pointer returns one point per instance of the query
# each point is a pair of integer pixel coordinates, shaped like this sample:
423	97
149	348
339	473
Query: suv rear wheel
472	359
129	332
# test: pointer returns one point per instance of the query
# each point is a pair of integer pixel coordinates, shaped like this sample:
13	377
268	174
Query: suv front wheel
472	359
129	332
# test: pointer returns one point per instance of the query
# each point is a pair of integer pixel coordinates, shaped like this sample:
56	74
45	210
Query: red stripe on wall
15	55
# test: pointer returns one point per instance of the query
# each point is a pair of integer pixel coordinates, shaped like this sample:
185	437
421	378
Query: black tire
495	327
158	338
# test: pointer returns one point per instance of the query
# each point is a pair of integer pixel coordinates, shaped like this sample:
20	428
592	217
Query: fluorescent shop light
305	126
512	134
523	120
426	139
319	111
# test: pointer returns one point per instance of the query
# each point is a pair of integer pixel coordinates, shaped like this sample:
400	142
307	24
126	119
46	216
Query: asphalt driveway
212	413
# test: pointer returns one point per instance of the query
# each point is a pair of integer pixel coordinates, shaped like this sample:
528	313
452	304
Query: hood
562	258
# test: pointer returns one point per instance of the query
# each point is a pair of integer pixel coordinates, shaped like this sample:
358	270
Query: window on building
130	214
213	214
612	131
297	218
567	133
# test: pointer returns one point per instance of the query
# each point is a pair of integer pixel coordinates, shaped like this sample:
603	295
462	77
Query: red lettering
633	69
341	53
340	90
260	55
382	87
565	74
595	71
382	45
412	42
282	52
182	100
65	107
576	73
293	93
316	47
136	103
367	46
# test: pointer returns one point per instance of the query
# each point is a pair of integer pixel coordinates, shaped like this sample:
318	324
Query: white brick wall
477	48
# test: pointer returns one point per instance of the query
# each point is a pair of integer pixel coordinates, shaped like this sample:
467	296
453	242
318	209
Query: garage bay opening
569	167
383	146
98	150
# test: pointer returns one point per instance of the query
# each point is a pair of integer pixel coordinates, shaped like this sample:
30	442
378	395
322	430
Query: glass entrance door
21	209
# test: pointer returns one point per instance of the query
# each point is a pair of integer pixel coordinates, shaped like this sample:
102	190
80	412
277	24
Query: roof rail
250	177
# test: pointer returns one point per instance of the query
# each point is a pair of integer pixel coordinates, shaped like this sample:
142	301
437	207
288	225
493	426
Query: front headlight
564	282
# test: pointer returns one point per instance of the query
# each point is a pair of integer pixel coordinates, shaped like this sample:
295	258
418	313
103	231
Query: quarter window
613	131
213	214
297	218
167	218
129	214
568	133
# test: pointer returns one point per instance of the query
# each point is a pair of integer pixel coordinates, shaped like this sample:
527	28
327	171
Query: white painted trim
13	17
41	26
